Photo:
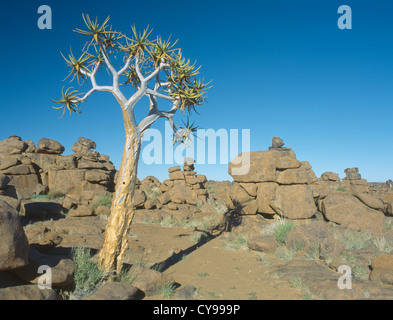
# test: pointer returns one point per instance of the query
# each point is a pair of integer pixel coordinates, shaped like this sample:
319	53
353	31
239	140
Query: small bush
102	201
342	189
281	231
38	198
87	276
167	290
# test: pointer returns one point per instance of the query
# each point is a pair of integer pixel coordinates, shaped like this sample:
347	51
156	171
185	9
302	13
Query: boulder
88	143
116	291
62	269
253	167
308	237
12	145
174	169
302	175
370	201
277	142
14	247
294	202
265	195
251	188
186	293
265	244
81	211
350	212
330	176
49	146
149	280
177	175
382	269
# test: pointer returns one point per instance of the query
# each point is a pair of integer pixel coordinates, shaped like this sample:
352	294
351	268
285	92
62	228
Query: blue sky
279	68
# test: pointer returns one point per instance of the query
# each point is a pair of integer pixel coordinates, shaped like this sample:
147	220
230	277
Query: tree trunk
122	210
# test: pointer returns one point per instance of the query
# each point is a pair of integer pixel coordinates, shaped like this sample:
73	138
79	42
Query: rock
248	208
164	198
14	203
177	175
239	195
49	146
174	169
181	195
41	189
382	269
88	143
151	204
103	211
302	175
186	293
283	163
370	201
14	247
81	211
251	188
12	145
294	202
172	206
4	180
263	244
150	281
12	288
353	176
116	291
277	142
201	178
31	148
351	213
62	269
308	237
261	167
265	195
330	176
41	210
139	198
330	248
7	163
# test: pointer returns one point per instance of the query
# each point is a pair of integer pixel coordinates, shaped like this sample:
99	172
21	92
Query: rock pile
183	187
354	180
275	182
30	169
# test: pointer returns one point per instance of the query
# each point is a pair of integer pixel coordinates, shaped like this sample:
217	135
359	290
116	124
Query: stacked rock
277	144
272	182
37	170
183	187
354	180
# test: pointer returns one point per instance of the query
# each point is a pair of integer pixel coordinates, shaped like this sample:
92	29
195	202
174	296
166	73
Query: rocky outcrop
24	168
276	183
14	247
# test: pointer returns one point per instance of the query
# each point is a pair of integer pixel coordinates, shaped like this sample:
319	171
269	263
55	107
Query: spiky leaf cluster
145	55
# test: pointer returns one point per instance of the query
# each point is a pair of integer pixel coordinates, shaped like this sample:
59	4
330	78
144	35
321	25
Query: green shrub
87	276
342	189
38	198
281	231
167	290
102	201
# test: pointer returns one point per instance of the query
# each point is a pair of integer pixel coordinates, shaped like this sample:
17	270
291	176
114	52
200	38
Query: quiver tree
153	68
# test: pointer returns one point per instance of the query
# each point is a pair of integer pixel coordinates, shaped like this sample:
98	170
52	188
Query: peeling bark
122	211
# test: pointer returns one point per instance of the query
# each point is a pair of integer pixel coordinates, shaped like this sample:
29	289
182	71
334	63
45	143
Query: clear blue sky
279	68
